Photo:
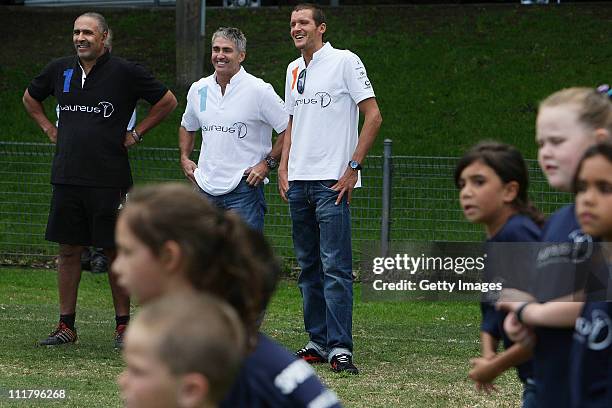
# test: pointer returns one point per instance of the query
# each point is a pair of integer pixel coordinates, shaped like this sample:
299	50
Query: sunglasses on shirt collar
301	81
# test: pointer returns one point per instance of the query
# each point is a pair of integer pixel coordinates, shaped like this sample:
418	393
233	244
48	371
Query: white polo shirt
325	117
236	127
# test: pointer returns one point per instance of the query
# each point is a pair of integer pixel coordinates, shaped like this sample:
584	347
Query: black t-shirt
93	117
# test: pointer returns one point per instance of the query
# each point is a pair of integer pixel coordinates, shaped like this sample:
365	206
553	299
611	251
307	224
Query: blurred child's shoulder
518	228
561	226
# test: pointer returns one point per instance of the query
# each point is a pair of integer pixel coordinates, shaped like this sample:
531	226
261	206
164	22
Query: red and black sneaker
310	355
119	333
61	335
343	363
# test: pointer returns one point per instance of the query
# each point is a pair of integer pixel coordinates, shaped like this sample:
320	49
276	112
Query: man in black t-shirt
96	93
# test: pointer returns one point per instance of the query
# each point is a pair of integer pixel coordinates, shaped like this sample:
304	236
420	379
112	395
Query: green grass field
410	354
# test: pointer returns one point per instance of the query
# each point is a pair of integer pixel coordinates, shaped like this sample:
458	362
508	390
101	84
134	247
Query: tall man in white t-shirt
324	91
236	113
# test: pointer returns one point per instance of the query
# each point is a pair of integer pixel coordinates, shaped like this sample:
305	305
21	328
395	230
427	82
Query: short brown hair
220	255
195	334
317	12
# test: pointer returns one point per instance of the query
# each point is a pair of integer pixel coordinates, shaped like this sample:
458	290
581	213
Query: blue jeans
529	395
322	241
247	201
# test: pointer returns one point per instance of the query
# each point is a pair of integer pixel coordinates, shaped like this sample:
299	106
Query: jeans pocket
326	184
291	184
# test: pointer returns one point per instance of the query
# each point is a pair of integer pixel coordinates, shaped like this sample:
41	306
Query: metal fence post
385	227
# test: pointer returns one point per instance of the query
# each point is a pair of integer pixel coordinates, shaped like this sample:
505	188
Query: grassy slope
410	354
445	76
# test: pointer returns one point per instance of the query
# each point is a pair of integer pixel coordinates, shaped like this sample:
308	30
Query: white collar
235	79
320	53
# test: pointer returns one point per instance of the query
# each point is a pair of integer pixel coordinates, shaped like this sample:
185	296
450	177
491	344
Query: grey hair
108	43
102	26
233	34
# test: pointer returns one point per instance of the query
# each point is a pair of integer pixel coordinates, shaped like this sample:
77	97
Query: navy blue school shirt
553	346
591	357
273	377
518	228
93	117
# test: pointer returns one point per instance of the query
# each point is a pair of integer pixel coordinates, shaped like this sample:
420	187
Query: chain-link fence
423	200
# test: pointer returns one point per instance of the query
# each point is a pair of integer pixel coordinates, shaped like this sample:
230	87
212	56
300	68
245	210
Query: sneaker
343	363
61	335
99	262
86	259
310	355
119	334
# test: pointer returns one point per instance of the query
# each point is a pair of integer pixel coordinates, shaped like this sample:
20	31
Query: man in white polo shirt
236	113
324	91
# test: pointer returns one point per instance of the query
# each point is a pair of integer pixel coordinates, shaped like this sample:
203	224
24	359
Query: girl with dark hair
172	240
508	165
591	356
492	180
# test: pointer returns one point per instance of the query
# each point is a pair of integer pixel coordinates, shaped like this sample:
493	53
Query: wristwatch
271	162
136	135
353	164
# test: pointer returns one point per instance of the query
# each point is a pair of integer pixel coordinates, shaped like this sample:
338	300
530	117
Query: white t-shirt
236	127
325	117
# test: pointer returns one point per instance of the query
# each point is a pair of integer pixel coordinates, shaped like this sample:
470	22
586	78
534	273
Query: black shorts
82	215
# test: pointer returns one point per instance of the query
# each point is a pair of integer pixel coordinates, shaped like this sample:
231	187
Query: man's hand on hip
52	134
257	173
345	185
129	140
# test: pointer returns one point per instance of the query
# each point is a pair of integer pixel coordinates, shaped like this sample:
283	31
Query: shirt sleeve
132	122
145	85
190	119
490	320
356	79
43	85
272	109
289	83
300	384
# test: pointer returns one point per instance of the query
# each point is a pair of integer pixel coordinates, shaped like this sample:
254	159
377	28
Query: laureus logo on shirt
578	250
597	332
323	99
238	128
105	108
